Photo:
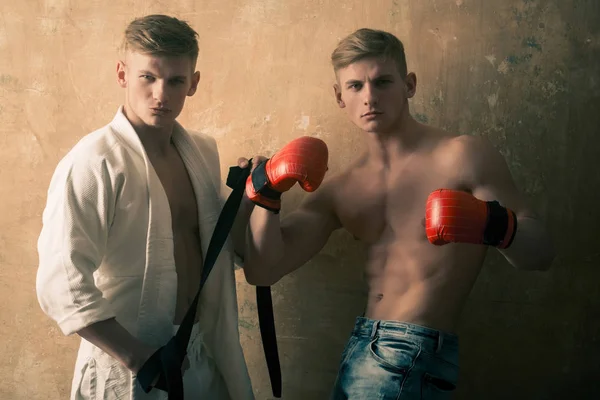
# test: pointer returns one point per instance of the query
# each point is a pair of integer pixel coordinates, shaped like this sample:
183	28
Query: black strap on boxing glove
264	301
497	224
260	182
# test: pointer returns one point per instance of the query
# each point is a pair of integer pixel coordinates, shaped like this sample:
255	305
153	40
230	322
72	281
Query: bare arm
115	340
532	247
238	230
276	248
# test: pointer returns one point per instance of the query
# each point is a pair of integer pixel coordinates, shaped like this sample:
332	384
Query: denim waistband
369	327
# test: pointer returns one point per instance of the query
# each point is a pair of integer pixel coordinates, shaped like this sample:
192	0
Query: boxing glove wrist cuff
501	226
260	181
262	194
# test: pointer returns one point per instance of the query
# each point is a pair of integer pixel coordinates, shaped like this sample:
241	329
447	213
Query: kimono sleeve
72	243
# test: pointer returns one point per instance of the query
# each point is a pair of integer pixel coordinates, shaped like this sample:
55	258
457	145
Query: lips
371	113
160	110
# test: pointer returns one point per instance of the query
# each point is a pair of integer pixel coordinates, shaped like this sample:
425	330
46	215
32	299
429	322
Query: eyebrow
385	76
146	72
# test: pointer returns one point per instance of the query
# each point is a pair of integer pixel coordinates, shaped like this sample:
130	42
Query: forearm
114	339
238	230
532	247
264	247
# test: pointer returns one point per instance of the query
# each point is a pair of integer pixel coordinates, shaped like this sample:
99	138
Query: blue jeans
396	360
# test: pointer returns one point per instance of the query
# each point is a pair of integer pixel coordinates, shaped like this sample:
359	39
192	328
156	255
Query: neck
398	141
156	140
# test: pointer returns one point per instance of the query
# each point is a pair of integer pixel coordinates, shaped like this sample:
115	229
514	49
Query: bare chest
178	187
375	204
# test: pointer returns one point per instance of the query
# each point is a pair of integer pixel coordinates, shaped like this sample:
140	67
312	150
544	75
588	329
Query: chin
374	127
158	122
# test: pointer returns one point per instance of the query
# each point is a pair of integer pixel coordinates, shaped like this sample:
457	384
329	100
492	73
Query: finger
186	364
242	162
257	160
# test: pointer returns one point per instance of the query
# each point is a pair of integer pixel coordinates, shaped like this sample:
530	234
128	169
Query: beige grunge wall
525	73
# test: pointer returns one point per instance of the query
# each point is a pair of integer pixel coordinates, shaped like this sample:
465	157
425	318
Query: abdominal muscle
188	260
416	282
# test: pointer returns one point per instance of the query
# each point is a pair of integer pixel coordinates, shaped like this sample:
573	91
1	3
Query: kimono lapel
159	291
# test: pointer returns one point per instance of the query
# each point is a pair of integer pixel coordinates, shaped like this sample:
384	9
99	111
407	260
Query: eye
147	77
384	82
354	86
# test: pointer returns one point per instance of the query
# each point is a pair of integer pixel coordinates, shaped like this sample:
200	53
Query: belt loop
440	342
374	329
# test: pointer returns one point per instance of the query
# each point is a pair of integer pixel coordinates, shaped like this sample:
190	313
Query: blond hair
161	35
368	43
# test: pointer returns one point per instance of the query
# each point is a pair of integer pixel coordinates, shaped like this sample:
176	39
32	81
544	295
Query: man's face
373	93
156	87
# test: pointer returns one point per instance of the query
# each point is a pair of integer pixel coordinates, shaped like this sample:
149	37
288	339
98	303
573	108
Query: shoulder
325	202
207	147
473	145
91	151
477	161
468	150
203	141
98	158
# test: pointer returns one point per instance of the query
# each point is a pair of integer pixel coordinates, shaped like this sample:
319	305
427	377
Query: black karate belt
167	361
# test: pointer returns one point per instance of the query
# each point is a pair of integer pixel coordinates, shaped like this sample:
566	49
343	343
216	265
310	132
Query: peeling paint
246	324
532	43
492	59
550	89
258	123
503	67
438	99
49	26
216	131
515	60
8	80
303	122
421	118
492	100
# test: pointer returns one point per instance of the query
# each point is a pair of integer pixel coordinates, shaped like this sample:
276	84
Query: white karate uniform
106	250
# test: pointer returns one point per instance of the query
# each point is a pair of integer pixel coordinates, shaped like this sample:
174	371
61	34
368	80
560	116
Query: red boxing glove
303	160
457	217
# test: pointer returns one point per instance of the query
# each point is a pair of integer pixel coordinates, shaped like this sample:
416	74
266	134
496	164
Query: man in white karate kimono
130	213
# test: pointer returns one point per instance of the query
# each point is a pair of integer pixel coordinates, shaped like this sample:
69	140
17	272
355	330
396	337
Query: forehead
368	68
164	65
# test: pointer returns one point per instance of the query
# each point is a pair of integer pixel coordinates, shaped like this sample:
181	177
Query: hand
142	354
243	162
458	217
186	365
303	160
147	353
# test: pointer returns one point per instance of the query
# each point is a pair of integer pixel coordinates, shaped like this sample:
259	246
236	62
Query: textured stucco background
525	73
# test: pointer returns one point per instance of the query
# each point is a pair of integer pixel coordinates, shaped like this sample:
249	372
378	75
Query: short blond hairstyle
161	35
369	43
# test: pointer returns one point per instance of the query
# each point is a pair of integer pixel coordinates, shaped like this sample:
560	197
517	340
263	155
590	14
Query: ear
338	95
411	84
121	76
195	80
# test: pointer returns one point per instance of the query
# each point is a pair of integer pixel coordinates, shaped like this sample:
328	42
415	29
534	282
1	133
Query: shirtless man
426	246
130	212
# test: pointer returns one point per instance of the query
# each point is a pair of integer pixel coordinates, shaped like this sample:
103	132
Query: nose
370	95
159	92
